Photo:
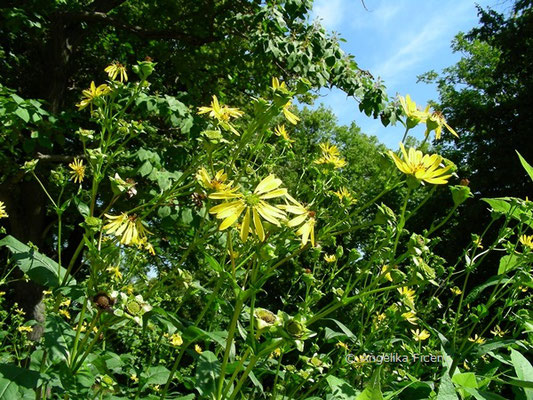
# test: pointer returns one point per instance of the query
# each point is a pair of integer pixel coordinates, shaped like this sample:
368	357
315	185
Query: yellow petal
274	193
245	227
258	226
268	184
232	218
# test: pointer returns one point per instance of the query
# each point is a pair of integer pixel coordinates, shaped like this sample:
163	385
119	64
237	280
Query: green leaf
39	268
157	375
526	165
474	293
524	370
82	207
207	373
373	389
186	216
340	388
16	382
164	211
446	388
213	263
146	168
500	205
465	380
343	328
507	263
23	114
58	336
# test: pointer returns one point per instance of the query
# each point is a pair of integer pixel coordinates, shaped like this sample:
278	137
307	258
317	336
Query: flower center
252	200
133	307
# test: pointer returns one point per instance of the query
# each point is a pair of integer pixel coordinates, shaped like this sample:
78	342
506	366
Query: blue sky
396	40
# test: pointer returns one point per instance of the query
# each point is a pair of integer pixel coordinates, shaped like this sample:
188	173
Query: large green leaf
373	389
526	165
38	267
157	375
508	263
58	337
465	380
340	388
17	383
524	370
446	388
207	372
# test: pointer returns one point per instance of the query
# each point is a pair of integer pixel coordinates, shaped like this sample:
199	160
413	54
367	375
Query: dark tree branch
105	5
56	158
101	17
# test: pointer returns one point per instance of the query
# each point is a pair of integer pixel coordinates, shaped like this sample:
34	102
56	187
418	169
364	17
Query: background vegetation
119	280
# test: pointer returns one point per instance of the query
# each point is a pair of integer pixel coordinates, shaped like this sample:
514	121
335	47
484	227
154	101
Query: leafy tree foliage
486	96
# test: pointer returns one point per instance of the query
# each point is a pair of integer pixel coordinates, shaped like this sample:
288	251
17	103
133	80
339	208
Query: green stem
229	341
174	368
401	224
250	366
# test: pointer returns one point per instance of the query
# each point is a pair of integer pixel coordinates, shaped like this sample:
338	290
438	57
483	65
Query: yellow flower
65	303
329	149
253	205
116	275
344	193
410	317
331	155
527	241
477	339
358	361
456	291
497	331
276	353
342	345
129	228
411	111
115	69
293	119
134	378
385	271
220	113
3	213
282	132
78	170
330	258
198	349
82	329
25	329
304	218
435	122
408	296
144	244
175	339
89	95
381	317
422	167
65	313
420	336
218	182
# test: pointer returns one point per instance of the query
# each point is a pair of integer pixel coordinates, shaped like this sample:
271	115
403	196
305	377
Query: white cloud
420	42
376	15
331	12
